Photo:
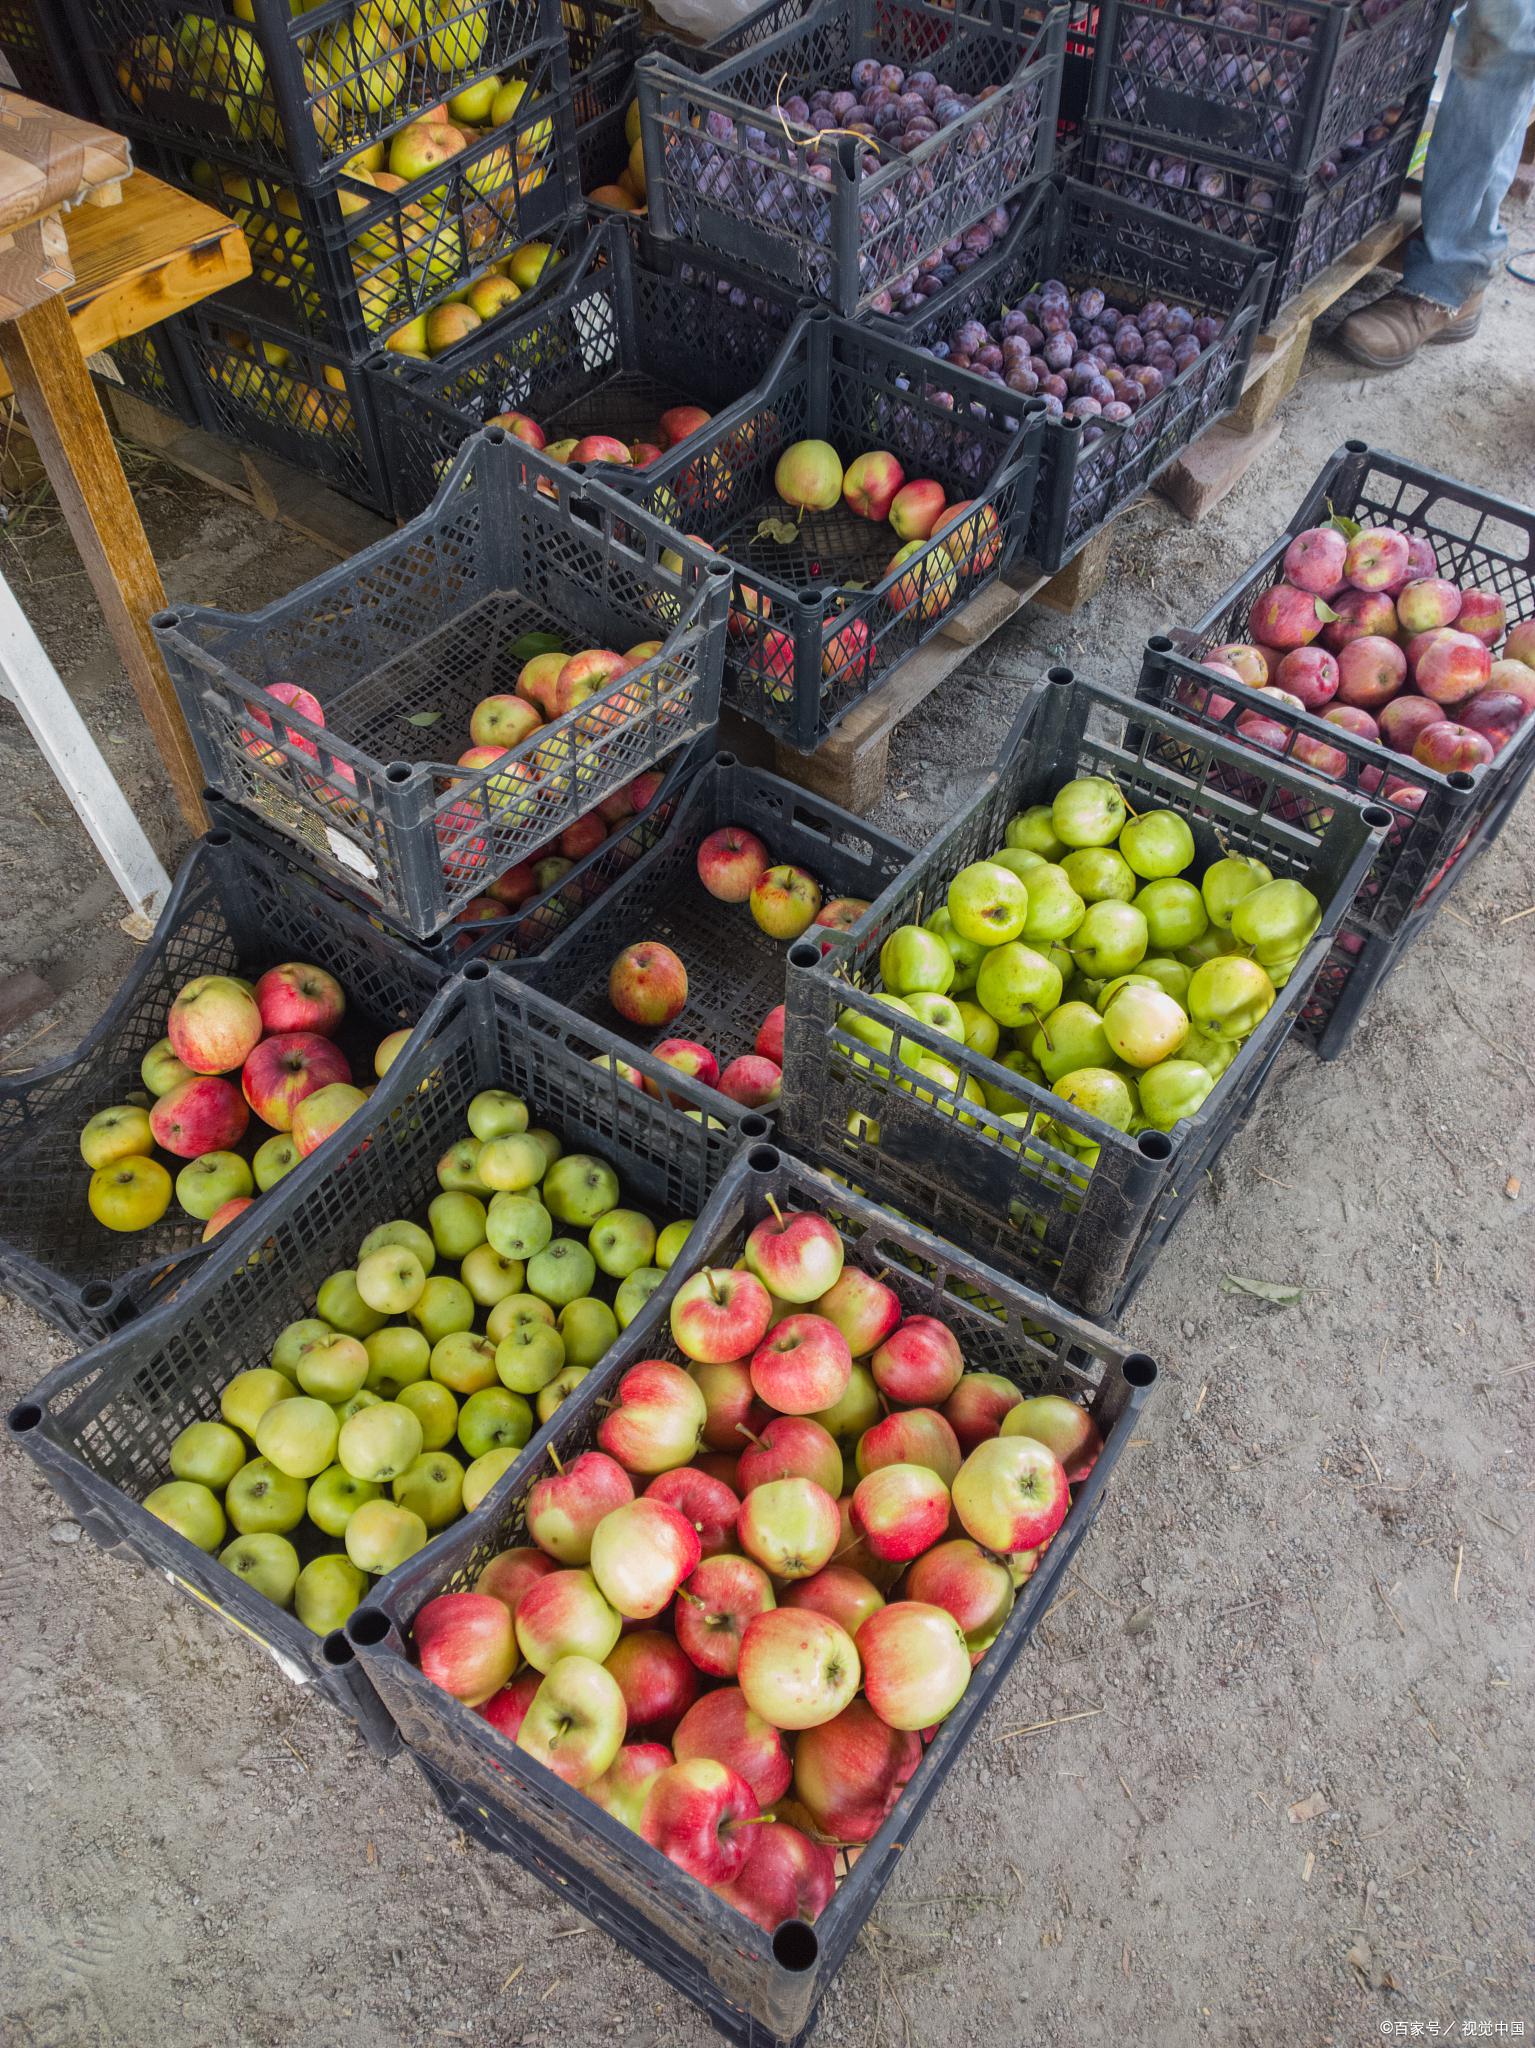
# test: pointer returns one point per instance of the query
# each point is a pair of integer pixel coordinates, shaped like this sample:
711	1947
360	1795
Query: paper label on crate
351	855
291	1669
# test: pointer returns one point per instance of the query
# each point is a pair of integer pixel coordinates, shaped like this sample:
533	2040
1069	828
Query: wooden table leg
64	417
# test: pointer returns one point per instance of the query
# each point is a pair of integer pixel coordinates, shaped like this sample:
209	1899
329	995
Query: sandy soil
1274	1780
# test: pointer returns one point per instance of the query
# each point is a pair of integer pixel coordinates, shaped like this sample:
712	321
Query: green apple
161	1071
1034	831
381	1536
401	1232
989	904
671	1241
589	1328
553	1149
189	1507
1144	1025
938	1013
1100	875
965	953
209	1454
1175	914
276	1156
1230	997
261	1498
1210	945
363	1398
458	1169
634	1292
980	1030
579	1189
458	1224
562	1272
1018	860
1100	1093
1173	1089
435	1408
1105	991
379	1443
1213	1054
1110	940
1016	985
1167	973
515	1310
1004	1101
1225	882
1276	922
267	1563
559	1390
298	1436
206	1183
432	1486
1157	844
622	1241
398	1356
1088	812
249	1395
512	1164
391	1279
488	1421
857	1408
483	1474
519	1226
335	1496
873	1031
489	1276
334	1371
1071	1036
328	1591
496	1114
1055	908
343	1307
295	1340
445	1306
529	1357
914	961
464	1361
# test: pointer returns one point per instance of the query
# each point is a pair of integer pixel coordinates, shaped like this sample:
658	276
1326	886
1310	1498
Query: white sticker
350	854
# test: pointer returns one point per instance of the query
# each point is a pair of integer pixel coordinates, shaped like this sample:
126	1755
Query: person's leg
1472	156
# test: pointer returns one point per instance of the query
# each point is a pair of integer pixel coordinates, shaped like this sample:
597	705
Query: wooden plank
1212	468
1336	281
155	254
1263	395
1082	577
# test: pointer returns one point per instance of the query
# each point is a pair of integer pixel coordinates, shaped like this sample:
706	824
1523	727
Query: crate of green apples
332	1391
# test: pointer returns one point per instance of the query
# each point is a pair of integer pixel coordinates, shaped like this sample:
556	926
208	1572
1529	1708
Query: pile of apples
342	1438
232	1049
1365	632
673	427
474	305
625	192
648	982
1081	948
270	377
738	1617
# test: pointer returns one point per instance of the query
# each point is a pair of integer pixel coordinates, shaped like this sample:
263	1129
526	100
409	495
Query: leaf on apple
1275	1292
1325	612
1341	523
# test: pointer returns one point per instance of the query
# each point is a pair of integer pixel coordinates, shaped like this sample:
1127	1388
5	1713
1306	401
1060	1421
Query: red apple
213	1025
754	1082
864	1309
719	1314
726	1385
1371	670
708	1504
508	1708
642	1552
1404	718
648	984
900	1511
1284	617
657	1680
791	1447
1377	556
1359	612
725	1728
512	1573
786	1877
1352	719
684	1056
911	1436
658	1419
1454	668
1427	602
714	1607
803	1365
769	1040
678	421
870	484
964	1580
564	1508
849	1772
600	448
919	1364
466	1644
299	997
202	1115
975	1409
1452	749
625	1785
730	862
281	1071
1011	1493
841	1594
1063	1426
1248	663
917	508
784	901
1496	714
916	1664
322	1113
797	1256
790	1526
1314	561
1311	674
798	1668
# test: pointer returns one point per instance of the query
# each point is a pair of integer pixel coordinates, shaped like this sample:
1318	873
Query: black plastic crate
1067	230
1303	224
100	1427
1285	88
604	38
151	365
759	1990
409	636
735	971
1018	1193
347	262
295	92
624	333
726	171
1480	540
234	909
46	67
820	618
265	388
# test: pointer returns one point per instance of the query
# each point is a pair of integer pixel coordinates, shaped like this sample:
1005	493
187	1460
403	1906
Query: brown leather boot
1390	333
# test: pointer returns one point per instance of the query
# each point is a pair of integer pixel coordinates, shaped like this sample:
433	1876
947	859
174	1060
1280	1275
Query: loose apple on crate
340	1442
232	1049
743	1613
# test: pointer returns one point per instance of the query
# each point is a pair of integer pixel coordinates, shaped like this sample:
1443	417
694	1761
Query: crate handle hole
368	1627
477	970
1154	1145
1357	447
24	1416
796	1947
764	1159
804	953
1060	675
1378	817
398	772
1159	644
1140	1369
755	1126
336	1650
165	622
1459	779
96	1293
724	758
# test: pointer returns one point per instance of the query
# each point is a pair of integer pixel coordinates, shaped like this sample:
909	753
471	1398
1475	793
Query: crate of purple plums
1302	223
1276	83
1385	642
1134	328
846	149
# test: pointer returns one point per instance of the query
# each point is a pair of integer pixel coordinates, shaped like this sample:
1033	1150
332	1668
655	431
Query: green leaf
422	718
784	531
1276	1292
535	643
1325	612
1341	523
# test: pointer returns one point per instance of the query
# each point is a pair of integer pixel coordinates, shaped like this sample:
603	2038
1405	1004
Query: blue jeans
1474	152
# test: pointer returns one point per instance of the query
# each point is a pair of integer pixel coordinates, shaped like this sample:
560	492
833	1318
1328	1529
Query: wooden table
71	284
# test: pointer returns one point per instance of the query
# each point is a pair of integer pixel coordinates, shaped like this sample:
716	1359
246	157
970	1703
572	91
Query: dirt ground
1265	1776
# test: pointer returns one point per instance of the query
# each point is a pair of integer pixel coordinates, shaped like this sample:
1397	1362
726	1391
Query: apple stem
1043	1032
1125	800
554	1459
692	1598
883	1274
709	1276
744	1431
777	1212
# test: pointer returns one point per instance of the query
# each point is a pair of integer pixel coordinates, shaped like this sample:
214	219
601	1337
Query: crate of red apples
705	1669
